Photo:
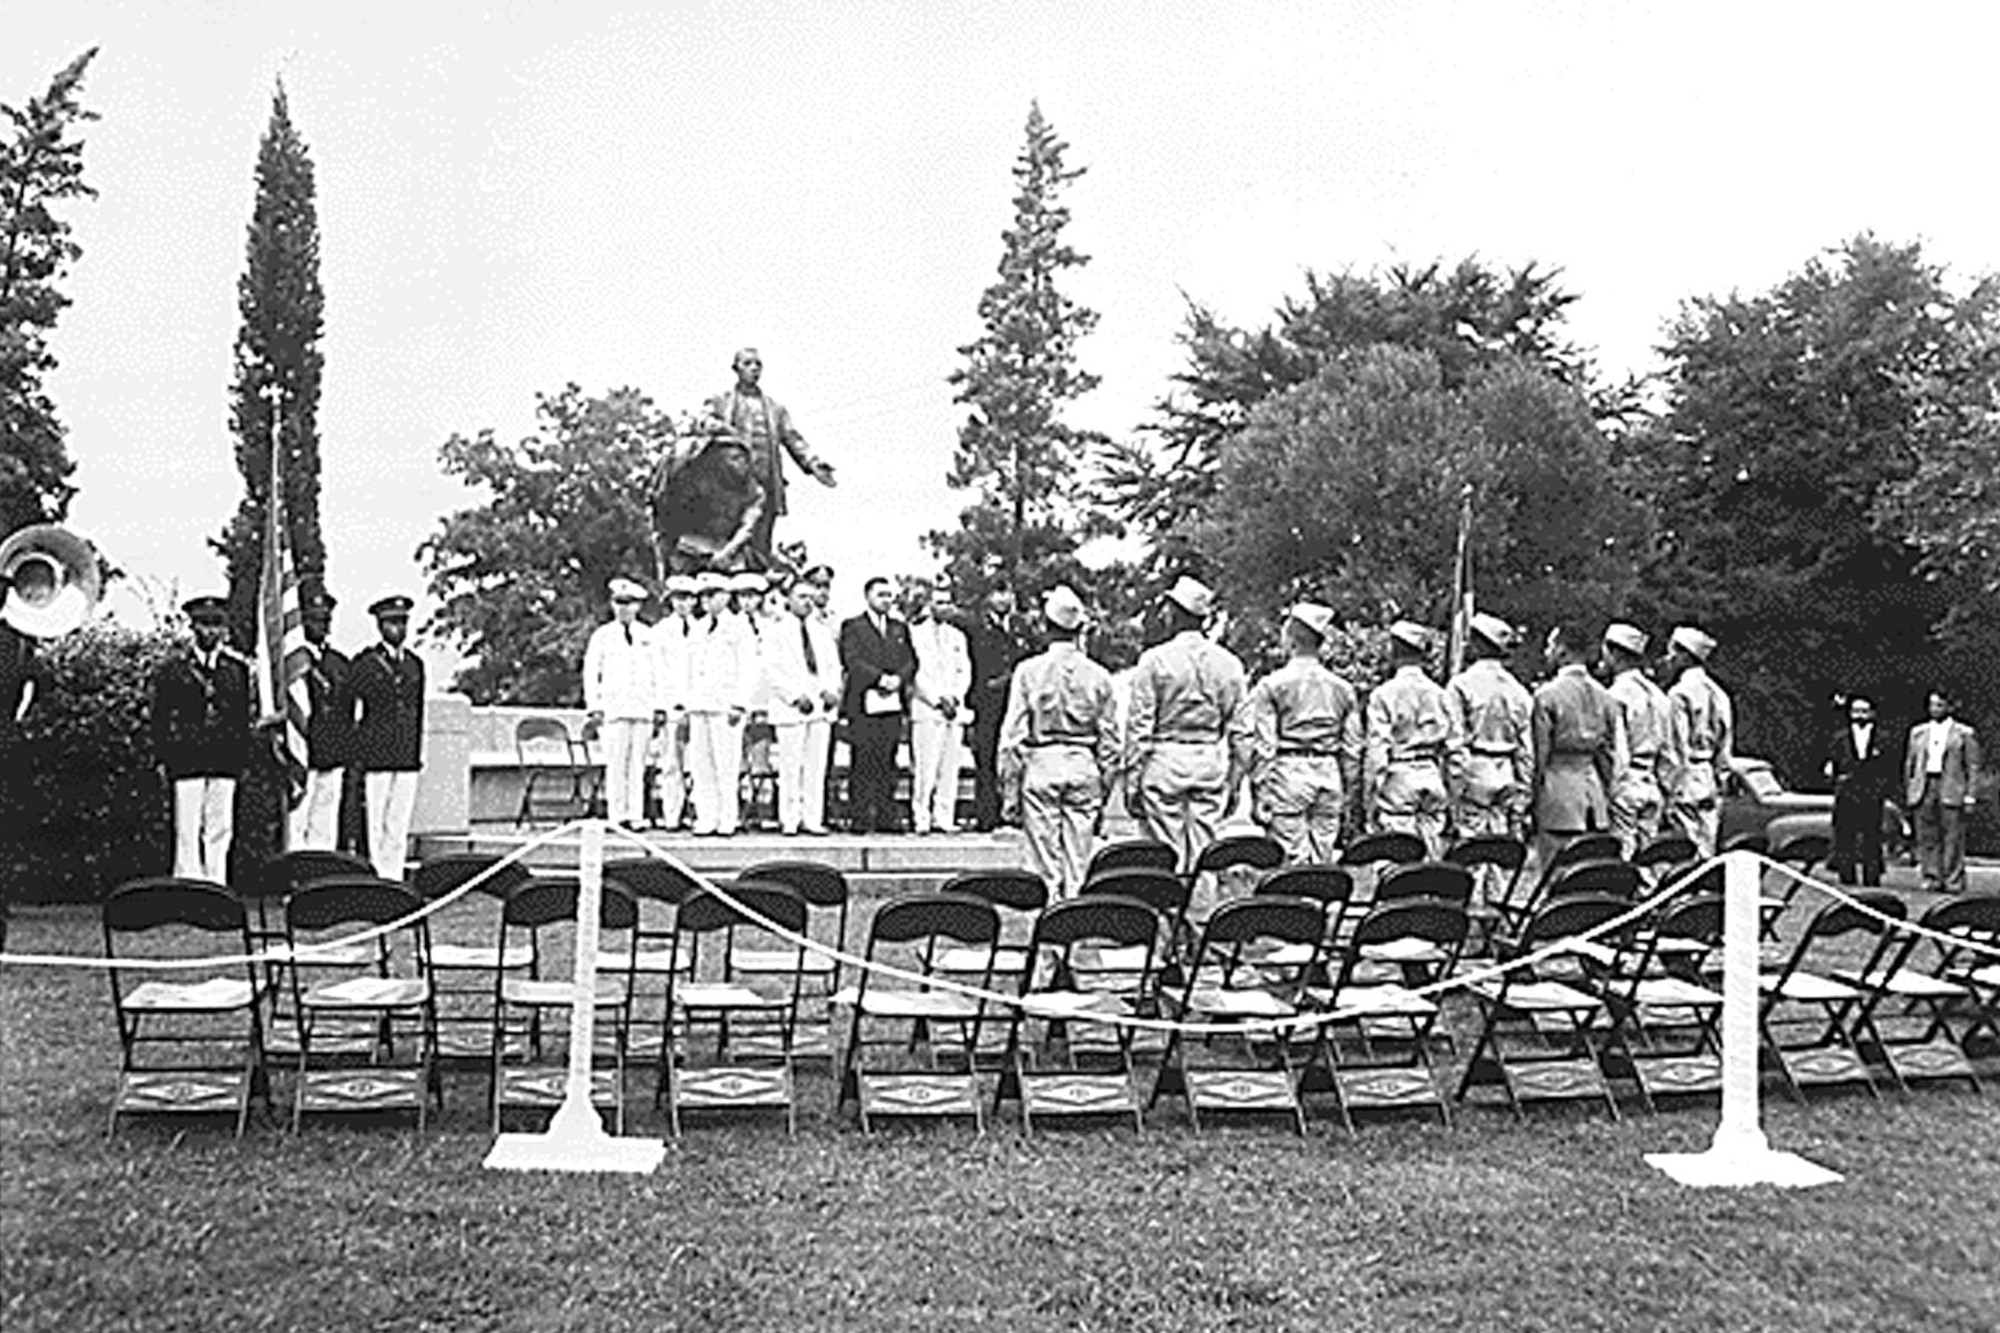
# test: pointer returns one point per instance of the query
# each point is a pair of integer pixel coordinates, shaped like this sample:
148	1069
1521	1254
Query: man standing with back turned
1703	725
1411	730
1579	746
1179	773
1299	731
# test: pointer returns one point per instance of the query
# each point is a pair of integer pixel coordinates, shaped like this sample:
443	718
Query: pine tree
41	164
277	346
1015	453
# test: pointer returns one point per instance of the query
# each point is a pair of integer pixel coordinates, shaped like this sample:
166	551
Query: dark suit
330	698
389	736
1860	784
201	716
866	655
996	649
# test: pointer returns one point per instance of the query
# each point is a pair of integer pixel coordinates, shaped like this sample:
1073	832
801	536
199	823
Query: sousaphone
52	580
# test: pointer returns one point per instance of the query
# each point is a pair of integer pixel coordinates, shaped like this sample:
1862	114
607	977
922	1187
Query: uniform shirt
1702	725
1490	715
329	708
1186	689
670	660
1060	696
1648	719
722	665
1302	707
621	671
202	714
1409	718
389	735
787	672
944	666
1575	718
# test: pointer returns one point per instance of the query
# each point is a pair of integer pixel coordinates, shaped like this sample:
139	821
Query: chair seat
1381	1002
337	955
216	995
1907	982
1409	950
1809	987
1673	992
722	995
1985	976
1543	996
1288	955
480	957
1069	1003
369	993
557	994
1218	1002
650	961
879	1003
1006	961
781	960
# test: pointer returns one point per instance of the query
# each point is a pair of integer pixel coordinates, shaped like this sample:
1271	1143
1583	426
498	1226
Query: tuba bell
51	578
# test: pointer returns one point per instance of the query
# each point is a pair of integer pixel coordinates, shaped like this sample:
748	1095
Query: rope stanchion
283	954
1740	1154
575	1139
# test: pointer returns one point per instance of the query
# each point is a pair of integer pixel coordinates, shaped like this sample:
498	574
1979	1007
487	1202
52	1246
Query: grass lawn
1556	1223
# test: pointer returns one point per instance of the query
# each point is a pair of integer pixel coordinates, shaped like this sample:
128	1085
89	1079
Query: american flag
1461	588
282	659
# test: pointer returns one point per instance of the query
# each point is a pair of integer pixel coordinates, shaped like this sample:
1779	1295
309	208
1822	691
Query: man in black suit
1862	769
388	681
329	730
878	660
997	645
201	722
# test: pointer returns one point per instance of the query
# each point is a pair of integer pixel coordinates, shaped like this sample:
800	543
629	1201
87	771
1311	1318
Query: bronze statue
765	429
708	506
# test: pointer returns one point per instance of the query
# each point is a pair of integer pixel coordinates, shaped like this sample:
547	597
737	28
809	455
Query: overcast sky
512	197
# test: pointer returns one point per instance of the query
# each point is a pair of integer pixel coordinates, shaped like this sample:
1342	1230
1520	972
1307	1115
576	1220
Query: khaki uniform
1298	735
1491	772
1410	731
1058	757
1178	771
1638	801
1702	727
1579	756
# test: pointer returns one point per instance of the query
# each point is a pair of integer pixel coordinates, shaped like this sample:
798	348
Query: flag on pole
282	658
1461	587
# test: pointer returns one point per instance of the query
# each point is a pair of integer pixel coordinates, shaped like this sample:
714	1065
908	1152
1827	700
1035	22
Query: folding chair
267	889
1823	1015
551	760
1167	894
743	1076
657	888
462	970
367	1017
893	1014
1934	984
1069	935
1799	853
1390	1011
1330	886
826	893
1234	990
536	915
1663	1011
1416	956
1664	855
1376	849
1130	854
1019	896
190	1042
1496	862
1228	857
1541	1027
1979	973
1442	880
1575	870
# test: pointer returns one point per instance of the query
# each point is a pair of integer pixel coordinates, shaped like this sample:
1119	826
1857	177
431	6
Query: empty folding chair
657	888
1070	935
1664	856
1813	1021
1227	868
190	1040
826	894
1663	1010
1393	1024
367	1018
1417	958
1132	853
753	1016
1937	1008
1798	853
266	890
897	1014
1496	862
1233	996
1330	886
464	961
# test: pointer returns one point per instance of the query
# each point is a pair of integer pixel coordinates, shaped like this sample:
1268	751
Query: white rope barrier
1895	923
285	953
1288	1023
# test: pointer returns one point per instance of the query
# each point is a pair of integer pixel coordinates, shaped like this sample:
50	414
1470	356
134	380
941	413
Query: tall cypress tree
1015	453
280	302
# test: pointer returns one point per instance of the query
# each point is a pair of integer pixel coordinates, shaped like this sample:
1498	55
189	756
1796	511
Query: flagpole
1461	585
272	659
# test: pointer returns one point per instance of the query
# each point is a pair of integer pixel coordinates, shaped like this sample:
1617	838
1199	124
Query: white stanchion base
1749	1161
575	1143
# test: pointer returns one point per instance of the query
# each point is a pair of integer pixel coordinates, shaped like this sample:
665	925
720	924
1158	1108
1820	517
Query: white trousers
670	770
802	751
391	797
315	820
625	767
715	761
204	822
935	755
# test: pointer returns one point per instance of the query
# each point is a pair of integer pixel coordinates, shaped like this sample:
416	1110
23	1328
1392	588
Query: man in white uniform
937	702
802	677
670	674
722	673
621	690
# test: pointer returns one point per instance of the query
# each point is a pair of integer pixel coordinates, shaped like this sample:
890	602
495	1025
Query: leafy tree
519	581
1792	416
1015	453
41	165
281	307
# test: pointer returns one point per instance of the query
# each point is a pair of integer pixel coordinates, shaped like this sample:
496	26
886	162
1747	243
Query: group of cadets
1478	755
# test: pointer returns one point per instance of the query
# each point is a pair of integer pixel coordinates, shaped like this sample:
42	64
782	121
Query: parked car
1756	800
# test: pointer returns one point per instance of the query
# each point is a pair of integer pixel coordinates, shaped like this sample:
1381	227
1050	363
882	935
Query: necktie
806	638
628	636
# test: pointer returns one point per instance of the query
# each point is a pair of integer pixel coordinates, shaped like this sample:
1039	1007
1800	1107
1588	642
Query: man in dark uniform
997	646
1862	768
878	662
201	723
388	683
329	730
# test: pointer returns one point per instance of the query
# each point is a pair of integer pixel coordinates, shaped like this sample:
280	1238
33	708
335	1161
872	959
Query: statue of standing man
763	425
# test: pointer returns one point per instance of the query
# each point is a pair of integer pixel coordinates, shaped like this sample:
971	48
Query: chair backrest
1426	879
1374	848
1977	917
543	741
1162	890
1433	920
926	916
1489	849
819	884
649	877
1329	885
1586	847
341	900
705	911
288	872
1615	879
1016	889
1102	917
546	902
1132	853
1837	920
146	904
1262	917
1569	917
1669	849
1252	851
1747	841
1803	850
441	875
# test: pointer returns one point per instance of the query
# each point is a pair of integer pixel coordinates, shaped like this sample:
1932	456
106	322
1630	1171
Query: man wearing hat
1638	801
1410	731
1180	773
766	431
1579	745
201	721
670	676
1059	747
937	708
315	820
389	734
878	663
802	672
621	692
1703	725
722	674
1298	737
1491	770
